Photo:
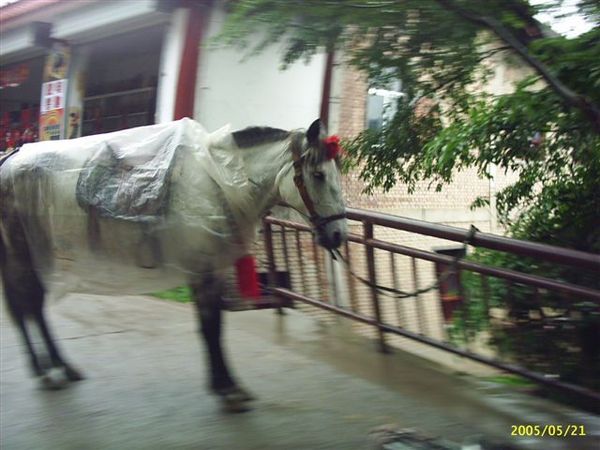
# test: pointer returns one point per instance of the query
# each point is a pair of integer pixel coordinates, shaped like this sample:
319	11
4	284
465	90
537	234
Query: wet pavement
317	388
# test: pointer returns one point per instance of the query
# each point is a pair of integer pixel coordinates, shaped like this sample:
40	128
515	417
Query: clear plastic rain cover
132	211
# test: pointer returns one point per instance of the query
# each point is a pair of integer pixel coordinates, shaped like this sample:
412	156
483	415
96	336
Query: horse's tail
3	237
3	258
2	251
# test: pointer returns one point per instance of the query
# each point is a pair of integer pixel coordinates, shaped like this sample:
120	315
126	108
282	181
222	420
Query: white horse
151	208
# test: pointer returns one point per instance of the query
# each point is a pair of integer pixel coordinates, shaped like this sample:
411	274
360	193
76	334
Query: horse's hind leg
36	367
24	294
25	300
55	357
207	297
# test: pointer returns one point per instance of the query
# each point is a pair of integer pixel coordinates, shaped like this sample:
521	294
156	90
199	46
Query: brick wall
450	206
351	96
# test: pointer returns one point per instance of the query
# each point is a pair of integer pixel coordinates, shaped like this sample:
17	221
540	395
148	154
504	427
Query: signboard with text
54	92
52	109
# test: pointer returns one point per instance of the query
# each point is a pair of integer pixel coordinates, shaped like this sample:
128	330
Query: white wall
80	57
255	91
170	61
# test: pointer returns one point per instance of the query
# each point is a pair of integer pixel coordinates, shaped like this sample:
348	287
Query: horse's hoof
233	404
235	392
54	379
243	394
73	374
235	399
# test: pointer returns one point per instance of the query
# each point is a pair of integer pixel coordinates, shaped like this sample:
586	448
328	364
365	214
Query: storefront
20	85
85	71
134	63
119	82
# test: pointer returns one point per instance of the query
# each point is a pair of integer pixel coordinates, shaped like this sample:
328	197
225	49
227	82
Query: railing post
351	280
269	250
419	301
368	235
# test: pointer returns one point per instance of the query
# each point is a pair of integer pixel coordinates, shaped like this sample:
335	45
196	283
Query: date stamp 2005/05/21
559	431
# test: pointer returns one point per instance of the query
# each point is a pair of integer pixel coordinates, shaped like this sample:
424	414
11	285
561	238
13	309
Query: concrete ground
318	388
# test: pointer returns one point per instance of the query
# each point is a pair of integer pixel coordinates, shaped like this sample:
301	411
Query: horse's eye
319	176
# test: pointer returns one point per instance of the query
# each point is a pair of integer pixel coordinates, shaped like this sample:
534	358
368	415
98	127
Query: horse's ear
315	133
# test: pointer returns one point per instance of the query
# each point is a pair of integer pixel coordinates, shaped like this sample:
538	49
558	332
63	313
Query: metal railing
371	262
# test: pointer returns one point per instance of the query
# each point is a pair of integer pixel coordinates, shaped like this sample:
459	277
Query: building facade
79	68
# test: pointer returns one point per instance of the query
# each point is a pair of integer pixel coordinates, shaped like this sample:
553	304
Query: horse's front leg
208	300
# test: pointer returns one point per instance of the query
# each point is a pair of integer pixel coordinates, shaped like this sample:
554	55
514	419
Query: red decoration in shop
16	137
14	76
5	122
22	131
26	118
10	143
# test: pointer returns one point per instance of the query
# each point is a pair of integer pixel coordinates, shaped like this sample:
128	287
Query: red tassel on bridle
334	149
247	277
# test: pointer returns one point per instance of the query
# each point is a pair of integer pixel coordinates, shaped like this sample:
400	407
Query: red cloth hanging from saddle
247	277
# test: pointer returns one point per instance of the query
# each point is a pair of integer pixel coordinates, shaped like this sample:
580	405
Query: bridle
315	219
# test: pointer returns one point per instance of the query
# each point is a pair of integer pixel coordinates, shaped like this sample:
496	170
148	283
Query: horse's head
316	189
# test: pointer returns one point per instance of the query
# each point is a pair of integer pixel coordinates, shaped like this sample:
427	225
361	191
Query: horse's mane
252	136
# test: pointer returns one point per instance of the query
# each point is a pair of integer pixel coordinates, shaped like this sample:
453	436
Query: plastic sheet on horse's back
119	212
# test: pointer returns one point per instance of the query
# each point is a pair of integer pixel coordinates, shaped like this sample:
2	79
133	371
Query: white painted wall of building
255	91
337	93
75	88
170	61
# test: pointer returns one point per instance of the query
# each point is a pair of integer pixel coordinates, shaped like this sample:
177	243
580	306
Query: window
381	103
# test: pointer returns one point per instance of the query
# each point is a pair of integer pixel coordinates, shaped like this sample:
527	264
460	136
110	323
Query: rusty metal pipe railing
368	234
538	378
367	220
497	272
270	250
533	280
479	239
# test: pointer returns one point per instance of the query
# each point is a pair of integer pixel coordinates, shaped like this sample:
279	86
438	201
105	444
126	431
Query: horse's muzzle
330	241
330	231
